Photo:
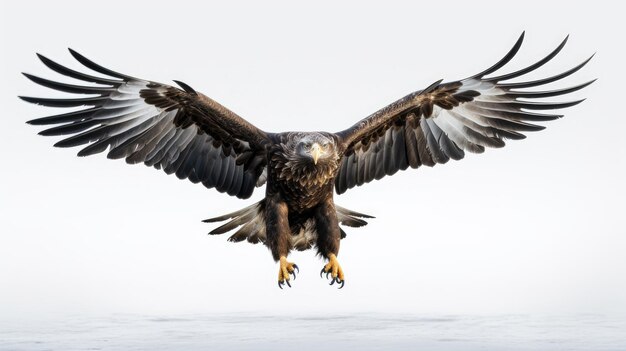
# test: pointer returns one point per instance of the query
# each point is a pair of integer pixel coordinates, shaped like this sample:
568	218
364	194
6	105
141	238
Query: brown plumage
184	132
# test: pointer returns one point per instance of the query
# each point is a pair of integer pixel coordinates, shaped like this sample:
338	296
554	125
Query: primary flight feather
186	133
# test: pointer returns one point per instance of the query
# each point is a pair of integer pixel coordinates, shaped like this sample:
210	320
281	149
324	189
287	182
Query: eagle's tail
351	218
252	222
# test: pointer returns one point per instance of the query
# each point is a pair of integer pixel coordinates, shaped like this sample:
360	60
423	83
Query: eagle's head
308	154
315	149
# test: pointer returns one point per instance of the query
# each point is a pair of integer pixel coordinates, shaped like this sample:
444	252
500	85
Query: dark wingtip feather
546	105
75	74
503	61
589	59
532	67
35	79
65	117
53	102
541	94
546	80
47	132
96	67
62	143
27	99
91	150
69	88
42	58
46	61
38	100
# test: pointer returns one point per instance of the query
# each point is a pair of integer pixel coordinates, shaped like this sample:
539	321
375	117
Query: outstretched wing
179	131
444	120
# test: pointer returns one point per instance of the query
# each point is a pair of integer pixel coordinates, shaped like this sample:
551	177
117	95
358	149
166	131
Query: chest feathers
301	182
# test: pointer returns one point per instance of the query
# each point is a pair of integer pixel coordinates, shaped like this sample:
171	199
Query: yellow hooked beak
315	152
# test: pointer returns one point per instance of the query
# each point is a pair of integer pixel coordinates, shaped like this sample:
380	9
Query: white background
536	227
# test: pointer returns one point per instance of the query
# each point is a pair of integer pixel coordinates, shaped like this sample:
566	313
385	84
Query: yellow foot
333	269
285	269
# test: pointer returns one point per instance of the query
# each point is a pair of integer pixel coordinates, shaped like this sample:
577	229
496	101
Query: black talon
280	286
287	281
295	267
321	272
332	282
327	273
342	282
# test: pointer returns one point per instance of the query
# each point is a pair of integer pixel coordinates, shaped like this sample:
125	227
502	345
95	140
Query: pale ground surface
314	332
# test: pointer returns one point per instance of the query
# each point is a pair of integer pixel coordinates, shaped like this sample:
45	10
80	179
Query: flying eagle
187	133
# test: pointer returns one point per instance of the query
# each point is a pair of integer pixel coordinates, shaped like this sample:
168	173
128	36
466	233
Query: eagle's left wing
444	120
178	130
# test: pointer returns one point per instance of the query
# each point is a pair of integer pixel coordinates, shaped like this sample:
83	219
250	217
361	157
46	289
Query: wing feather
179	131
443	121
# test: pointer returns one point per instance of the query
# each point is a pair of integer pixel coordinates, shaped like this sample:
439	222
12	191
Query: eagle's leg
278	240
333	269
328	238
286	268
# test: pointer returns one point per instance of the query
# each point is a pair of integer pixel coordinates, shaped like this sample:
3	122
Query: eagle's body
188	134
300	190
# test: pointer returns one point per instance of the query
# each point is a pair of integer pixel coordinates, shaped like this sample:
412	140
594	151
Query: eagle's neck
305	174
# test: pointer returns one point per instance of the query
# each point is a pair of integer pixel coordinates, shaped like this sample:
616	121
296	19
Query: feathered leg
278	232
328	239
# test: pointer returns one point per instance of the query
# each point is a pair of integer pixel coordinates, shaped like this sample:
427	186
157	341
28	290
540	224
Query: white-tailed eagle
186	133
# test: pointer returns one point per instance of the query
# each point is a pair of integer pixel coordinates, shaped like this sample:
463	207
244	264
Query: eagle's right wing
180	131
443	121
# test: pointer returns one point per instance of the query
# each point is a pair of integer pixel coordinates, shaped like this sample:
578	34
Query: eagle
186	133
